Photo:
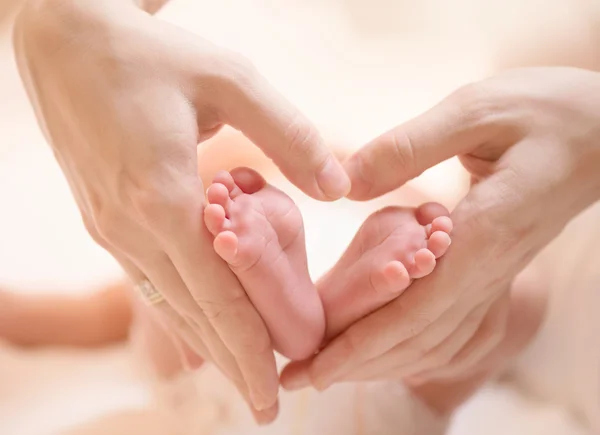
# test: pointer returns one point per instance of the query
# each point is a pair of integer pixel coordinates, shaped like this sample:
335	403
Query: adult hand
530	139
124	99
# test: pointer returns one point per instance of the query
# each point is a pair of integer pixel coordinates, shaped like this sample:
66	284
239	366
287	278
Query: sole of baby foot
393	247
259	232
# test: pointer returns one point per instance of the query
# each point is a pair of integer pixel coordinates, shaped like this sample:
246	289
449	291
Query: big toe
248	180
428	212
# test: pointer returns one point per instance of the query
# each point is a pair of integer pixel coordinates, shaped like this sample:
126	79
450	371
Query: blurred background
355	67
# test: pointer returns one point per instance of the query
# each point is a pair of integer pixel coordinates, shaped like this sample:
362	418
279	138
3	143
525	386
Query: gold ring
148	292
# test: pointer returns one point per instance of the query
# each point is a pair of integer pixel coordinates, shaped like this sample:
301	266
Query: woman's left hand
531	141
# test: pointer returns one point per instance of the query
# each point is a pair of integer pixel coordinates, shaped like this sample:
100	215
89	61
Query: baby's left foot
259	232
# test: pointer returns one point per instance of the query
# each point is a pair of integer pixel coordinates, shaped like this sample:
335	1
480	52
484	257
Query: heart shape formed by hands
258	230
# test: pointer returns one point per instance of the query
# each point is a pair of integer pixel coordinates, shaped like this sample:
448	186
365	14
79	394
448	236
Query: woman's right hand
124	99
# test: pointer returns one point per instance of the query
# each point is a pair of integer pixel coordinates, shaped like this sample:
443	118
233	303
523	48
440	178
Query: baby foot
259	232
393	247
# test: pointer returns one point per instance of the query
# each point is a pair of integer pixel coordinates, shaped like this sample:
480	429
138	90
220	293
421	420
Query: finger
443	354
442	299
194	329
189	345
296	375
233	326
455	126
186	339
488	337
417	354
368	340
223	360
192	325
265	416
434	306
255	108
193	359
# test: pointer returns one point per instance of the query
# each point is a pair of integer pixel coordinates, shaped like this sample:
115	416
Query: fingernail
266	416
333	180
297	381
322	385
260	402
193	362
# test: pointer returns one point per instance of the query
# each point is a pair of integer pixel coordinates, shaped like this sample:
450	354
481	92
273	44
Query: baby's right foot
393	247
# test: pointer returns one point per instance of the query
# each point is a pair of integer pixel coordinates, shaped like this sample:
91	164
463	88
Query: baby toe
428	212
224	178
219	194
396	276
442	223
248	180
438	243
424	263
389	281
214	219
226	246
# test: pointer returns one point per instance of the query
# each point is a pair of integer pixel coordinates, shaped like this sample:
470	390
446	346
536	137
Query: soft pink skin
393	247
259	232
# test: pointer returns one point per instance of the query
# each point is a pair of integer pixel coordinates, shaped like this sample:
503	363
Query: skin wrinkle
404	150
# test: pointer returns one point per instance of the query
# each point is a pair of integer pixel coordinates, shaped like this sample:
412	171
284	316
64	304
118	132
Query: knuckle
302	137
480	104
251	344
213	309
256	344
238	72
251	340
403	155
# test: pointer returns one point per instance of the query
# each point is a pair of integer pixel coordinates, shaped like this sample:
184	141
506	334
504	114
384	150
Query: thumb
457	125
285	135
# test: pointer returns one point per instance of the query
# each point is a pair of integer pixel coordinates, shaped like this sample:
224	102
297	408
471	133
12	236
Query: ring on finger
148	293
